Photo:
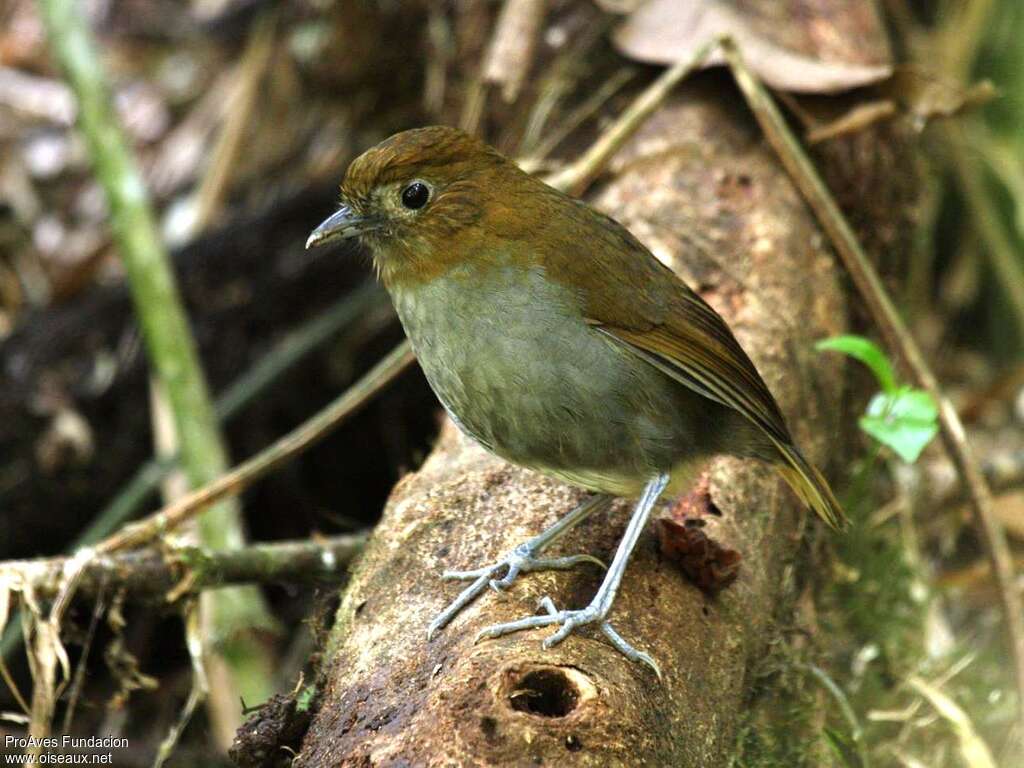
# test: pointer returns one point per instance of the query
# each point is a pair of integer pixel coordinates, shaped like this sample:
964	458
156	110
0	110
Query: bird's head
426	199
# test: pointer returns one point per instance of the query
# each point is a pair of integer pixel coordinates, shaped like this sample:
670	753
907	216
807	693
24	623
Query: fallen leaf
796	45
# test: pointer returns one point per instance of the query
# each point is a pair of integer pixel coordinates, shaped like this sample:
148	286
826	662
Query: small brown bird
559	342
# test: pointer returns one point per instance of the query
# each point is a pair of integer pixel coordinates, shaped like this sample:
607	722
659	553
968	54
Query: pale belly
533	383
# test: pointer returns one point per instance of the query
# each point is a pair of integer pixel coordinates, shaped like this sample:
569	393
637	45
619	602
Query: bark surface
698	186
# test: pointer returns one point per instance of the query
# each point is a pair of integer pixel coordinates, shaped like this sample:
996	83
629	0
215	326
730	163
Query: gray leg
601	605
522	559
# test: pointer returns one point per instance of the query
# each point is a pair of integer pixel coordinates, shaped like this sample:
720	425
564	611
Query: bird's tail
810	485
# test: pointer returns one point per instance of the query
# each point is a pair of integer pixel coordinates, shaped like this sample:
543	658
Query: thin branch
899	339
78	681
578	116
560	78
241	477
577	177
197	694
237	121
845	708
150	574
12	686
170	346
368	303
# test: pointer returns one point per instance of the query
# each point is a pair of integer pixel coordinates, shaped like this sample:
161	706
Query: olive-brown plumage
557	340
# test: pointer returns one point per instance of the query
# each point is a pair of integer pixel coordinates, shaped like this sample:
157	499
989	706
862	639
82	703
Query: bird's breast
513	361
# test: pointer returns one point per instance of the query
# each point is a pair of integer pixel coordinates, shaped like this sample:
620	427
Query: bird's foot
522	559
570	621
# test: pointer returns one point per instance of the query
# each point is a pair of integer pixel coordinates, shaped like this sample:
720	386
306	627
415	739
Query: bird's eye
415	196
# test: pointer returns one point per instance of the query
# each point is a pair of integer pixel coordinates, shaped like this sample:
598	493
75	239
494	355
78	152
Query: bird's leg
601	605
522	559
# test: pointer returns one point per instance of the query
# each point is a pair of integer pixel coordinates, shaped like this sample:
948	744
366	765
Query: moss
871	615
784	726
305	698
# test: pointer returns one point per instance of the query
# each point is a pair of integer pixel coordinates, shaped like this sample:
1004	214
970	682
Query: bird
556	340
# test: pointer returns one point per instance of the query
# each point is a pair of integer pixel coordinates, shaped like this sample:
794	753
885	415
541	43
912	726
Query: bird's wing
635	299
630	296
693	345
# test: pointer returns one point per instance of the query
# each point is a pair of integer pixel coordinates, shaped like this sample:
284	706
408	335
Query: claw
629	651
564	563
569	621
465	598
469	575
523	559
520	560
548	605
500	586
529	622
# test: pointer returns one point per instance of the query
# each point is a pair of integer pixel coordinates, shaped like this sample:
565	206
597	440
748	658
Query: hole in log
545	692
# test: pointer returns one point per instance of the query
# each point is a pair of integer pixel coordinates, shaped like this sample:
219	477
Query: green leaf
904	420
867	352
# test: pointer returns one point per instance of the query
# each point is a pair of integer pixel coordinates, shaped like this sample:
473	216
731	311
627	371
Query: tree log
699	187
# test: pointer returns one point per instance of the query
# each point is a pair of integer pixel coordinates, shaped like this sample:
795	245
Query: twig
578	176
241	477
973	749
170	347
46	651
577	117
292	347
473	105
196	695
837	693
899	339
151	574
853	121
511	50
36	97
559	79
12	686
78	681
237	121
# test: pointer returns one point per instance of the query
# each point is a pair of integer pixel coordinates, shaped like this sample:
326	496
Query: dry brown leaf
858	118
796	45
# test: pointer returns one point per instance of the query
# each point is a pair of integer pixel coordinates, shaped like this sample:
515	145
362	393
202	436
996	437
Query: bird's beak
343	224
